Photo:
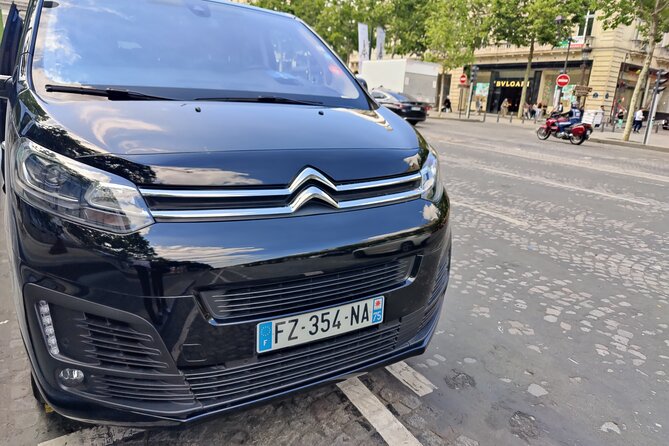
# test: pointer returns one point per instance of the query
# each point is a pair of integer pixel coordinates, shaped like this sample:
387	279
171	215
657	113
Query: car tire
413	123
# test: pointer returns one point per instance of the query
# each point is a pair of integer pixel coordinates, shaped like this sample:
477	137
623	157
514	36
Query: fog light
47	327
71	377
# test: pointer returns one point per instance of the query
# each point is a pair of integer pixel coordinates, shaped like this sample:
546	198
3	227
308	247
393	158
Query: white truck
408	76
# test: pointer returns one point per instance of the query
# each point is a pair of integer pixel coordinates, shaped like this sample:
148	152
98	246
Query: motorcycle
576	133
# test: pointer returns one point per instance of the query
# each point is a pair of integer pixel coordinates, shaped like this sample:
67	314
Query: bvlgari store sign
510	83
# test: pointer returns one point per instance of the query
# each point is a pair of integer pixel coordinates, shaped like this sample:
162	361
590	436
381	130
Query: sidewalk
657	141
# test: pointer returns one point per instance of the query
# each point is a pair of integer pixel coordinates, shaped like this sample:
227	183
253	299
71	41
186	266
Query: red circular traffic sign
562	80
463	79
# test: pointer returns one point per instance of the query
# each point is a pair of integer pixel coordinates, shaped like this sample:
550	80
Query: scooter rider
574	116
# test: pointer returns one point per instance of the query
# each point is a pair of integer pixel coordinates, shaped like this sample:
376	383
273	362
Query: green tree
527	23
454	29
652	19
406	27
337	21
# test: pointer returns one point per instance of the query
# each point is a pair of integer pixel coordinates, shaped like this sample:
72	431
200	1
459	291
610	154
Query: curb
635	145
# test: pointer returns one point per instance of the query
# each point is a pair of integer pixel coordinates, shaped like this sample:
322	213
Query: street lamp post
585	56
559	20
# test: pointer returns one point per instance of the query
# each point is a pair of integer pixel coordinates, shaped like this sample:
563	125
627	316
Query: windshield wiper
113	94
262	99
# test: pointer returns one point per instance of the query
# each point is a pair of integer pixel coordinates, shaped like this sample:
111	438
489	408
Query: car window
402	97
201	48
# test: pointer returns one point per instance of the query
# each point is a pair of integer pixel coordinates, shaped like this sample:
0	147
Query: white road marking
94	436
494	214
389	427
583	164
553	183
411	378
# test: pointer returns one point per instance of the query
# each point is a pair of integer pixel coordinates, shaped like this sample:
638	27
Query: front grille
310	186
148	390
115	344
274	372
254	302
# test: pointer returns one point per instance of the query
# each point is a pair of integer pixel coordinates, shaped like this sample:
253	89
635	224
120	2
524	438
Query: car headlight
430	181
78	192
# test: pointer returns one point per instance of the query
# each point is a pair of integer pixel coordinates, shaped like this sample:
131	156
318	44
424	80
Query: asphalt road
555	329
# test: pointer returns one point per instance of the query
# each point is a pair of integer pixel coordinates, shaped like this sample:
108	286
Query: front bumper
130	311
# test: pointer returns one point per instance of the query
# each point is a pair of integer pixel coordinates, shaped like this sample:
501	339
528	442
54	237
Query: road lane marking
583	164
553	183
489	213
94	436
420	385
389	427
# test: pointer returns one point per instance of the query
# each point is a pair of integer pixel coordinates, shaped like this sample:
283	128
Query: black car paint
406	104
155	275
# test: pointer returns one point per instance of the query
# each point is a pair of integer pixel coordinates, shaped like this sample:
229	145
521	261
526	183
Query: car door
9	47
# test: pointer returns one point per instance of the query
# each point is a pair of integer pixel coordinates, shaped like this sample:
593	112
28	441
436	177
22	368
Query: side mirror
5	85
362	82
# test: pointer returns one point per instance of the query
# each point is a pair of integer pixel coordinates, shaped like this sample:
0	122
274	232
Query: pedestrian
447	105
526	110
638	120
479	106
621	116
505	107
539	111
602	112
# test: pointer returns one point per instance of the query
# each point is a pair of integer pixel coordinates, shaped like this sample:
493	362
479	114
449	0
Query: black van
205	210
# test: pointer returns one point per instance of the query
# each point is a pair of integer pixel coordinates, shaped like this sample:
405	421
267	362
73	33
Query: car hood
221	143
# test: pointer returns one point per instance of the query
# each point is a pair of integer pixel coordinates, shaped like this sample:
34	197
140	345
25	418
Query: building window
585	28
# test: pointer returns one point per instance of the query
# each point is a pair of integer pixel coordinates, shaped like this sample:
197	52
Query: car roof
255	8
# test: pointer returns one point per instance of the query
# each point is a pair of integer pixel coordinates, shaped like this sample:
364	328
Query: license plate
416	108
309	327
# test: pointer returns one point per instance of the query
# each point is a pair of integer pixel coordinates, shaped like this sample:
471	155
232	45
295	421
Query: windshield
188	49
402	97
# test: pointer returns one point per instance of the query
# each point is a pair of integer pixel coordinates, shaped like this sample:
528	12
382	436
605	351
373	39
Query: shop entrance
512	94
511	90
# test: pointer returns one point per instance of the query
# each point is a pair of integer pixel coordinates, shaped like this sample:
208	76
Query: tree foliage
652	20
406	27
454	29
521	22
337	21
643	12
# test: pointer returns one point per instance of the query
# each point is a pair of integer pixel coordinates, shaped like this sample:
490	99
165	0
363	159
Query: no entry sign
562	80
463	79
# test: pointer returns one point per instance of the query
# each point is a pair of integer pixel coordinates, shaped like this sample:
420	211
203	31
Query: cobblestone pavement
555	330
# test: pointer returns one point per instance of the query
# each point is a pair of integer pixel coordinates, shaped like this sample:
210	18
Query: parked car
402	104
203	223
665	124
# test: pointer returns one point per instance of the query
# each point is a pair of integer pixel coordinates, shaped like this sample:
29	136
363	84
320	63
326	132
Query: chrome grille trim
306	195
306	175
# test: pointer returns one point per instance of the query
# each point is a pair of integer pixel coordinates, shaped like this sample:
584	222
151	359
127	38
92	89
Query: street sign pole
469	100
662	78
472	84
562	81
651	116
460	103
